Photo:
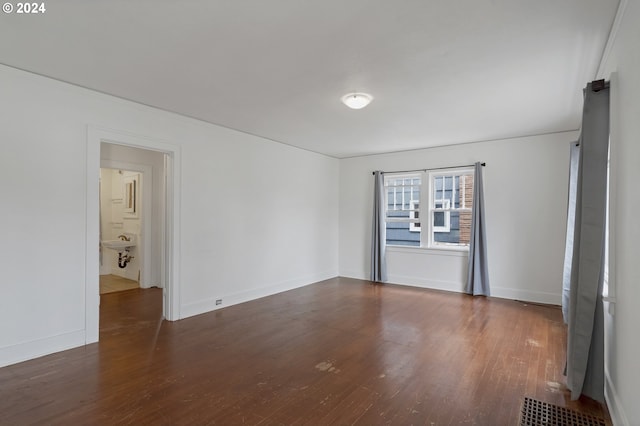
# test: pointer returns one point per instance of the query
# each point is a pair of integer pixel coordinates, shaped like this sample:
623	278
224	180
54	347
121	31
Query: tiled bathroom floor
113	283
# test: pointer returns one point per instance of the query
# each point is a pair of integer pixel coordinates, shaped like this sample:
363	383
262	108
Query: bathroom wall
105	218
115	222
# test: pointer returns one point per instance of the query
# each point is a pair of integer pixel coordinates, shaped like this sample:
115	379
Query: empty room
320	212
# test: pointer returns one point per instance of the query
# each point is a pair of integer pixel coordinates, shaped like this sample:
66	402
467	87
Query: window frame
414	213
411	220
431	177
421	218
446	209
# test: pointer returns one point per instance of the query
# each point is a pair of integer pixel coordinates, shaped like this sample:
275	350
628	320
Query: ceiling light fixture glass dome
357	100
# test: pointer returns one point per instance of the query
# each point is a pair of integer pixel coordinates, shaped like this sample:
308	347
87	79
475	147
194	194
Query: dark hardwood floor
341	351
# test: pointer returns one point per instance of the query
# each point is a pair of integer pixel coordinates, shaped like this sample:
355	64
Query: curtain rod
598	85
435	168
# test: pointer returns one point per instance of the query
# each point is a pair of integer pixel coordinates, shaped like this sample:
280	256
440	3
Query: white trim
208	305
414	224
458	287
357	275
446	209
95	136
613	34
147	182
456	171
527	295
92	243
616	410
452	286
36	348
459	251
614	137
131	200
172	310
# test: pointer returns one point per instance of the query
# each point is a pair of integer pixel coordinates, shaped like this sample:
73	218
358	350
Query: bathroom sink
118	245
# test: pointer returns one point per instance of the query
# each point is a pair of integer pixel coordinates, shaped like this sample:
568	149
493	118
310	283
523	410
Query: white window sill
439	251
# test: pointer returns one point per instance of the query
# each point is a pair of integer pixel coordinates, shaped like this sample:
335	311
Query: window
441	216
403	209
451	196
445	211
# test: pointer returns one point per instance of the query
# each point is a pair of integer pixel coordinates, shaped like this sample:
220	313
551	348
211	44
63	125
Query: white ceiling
441	71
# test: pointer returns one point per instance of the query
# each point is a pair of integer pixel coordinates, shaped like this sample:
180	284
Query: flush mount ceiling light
357	100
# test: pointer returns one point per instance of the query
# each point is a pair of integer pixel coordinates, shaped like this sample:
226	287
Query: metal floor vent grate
538	413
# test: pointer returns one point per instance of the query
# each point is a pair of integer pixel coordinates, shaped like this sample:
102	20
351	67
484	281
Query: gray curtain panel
378	235
571	221
585	347
478	275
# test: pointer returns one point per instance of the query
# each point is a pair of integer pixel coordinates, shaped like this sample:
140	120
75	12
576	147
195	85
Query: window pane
440	221
459	230
452	234
398	234
465	227
451	192
403	202
402	193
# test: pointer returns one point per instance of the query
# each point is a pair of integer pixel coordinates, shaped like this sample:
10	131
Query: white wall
105	218
113	223
129	225
257	217
525	183
622	318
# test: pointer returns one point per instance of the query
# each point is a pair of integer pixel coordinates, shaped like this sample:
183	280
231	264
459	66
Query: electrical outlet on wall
218	302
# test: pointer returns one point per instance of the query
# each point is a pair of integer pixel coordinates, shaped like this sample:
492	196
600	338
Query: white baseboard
501	292
356	275
208	305
36	348
527	295
618	417
395	279
426	283
14	354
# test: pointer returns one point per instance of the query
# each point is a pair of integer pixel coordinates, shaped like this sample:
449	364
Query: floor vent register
538	413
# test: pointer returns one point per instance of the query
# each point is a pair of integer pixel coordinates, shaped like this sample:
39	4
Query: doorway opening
131	234
139	178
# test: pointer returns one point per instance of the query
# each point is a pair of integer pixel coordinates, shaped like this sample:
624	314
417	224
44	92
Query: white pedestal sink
118	245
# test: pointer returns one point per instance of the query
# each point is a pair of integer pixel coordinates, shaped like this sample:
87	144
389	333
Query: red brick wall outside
466	188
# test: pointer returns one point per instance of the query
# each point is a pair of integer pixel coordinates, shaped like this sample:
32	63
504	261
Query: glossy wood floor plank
341	351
